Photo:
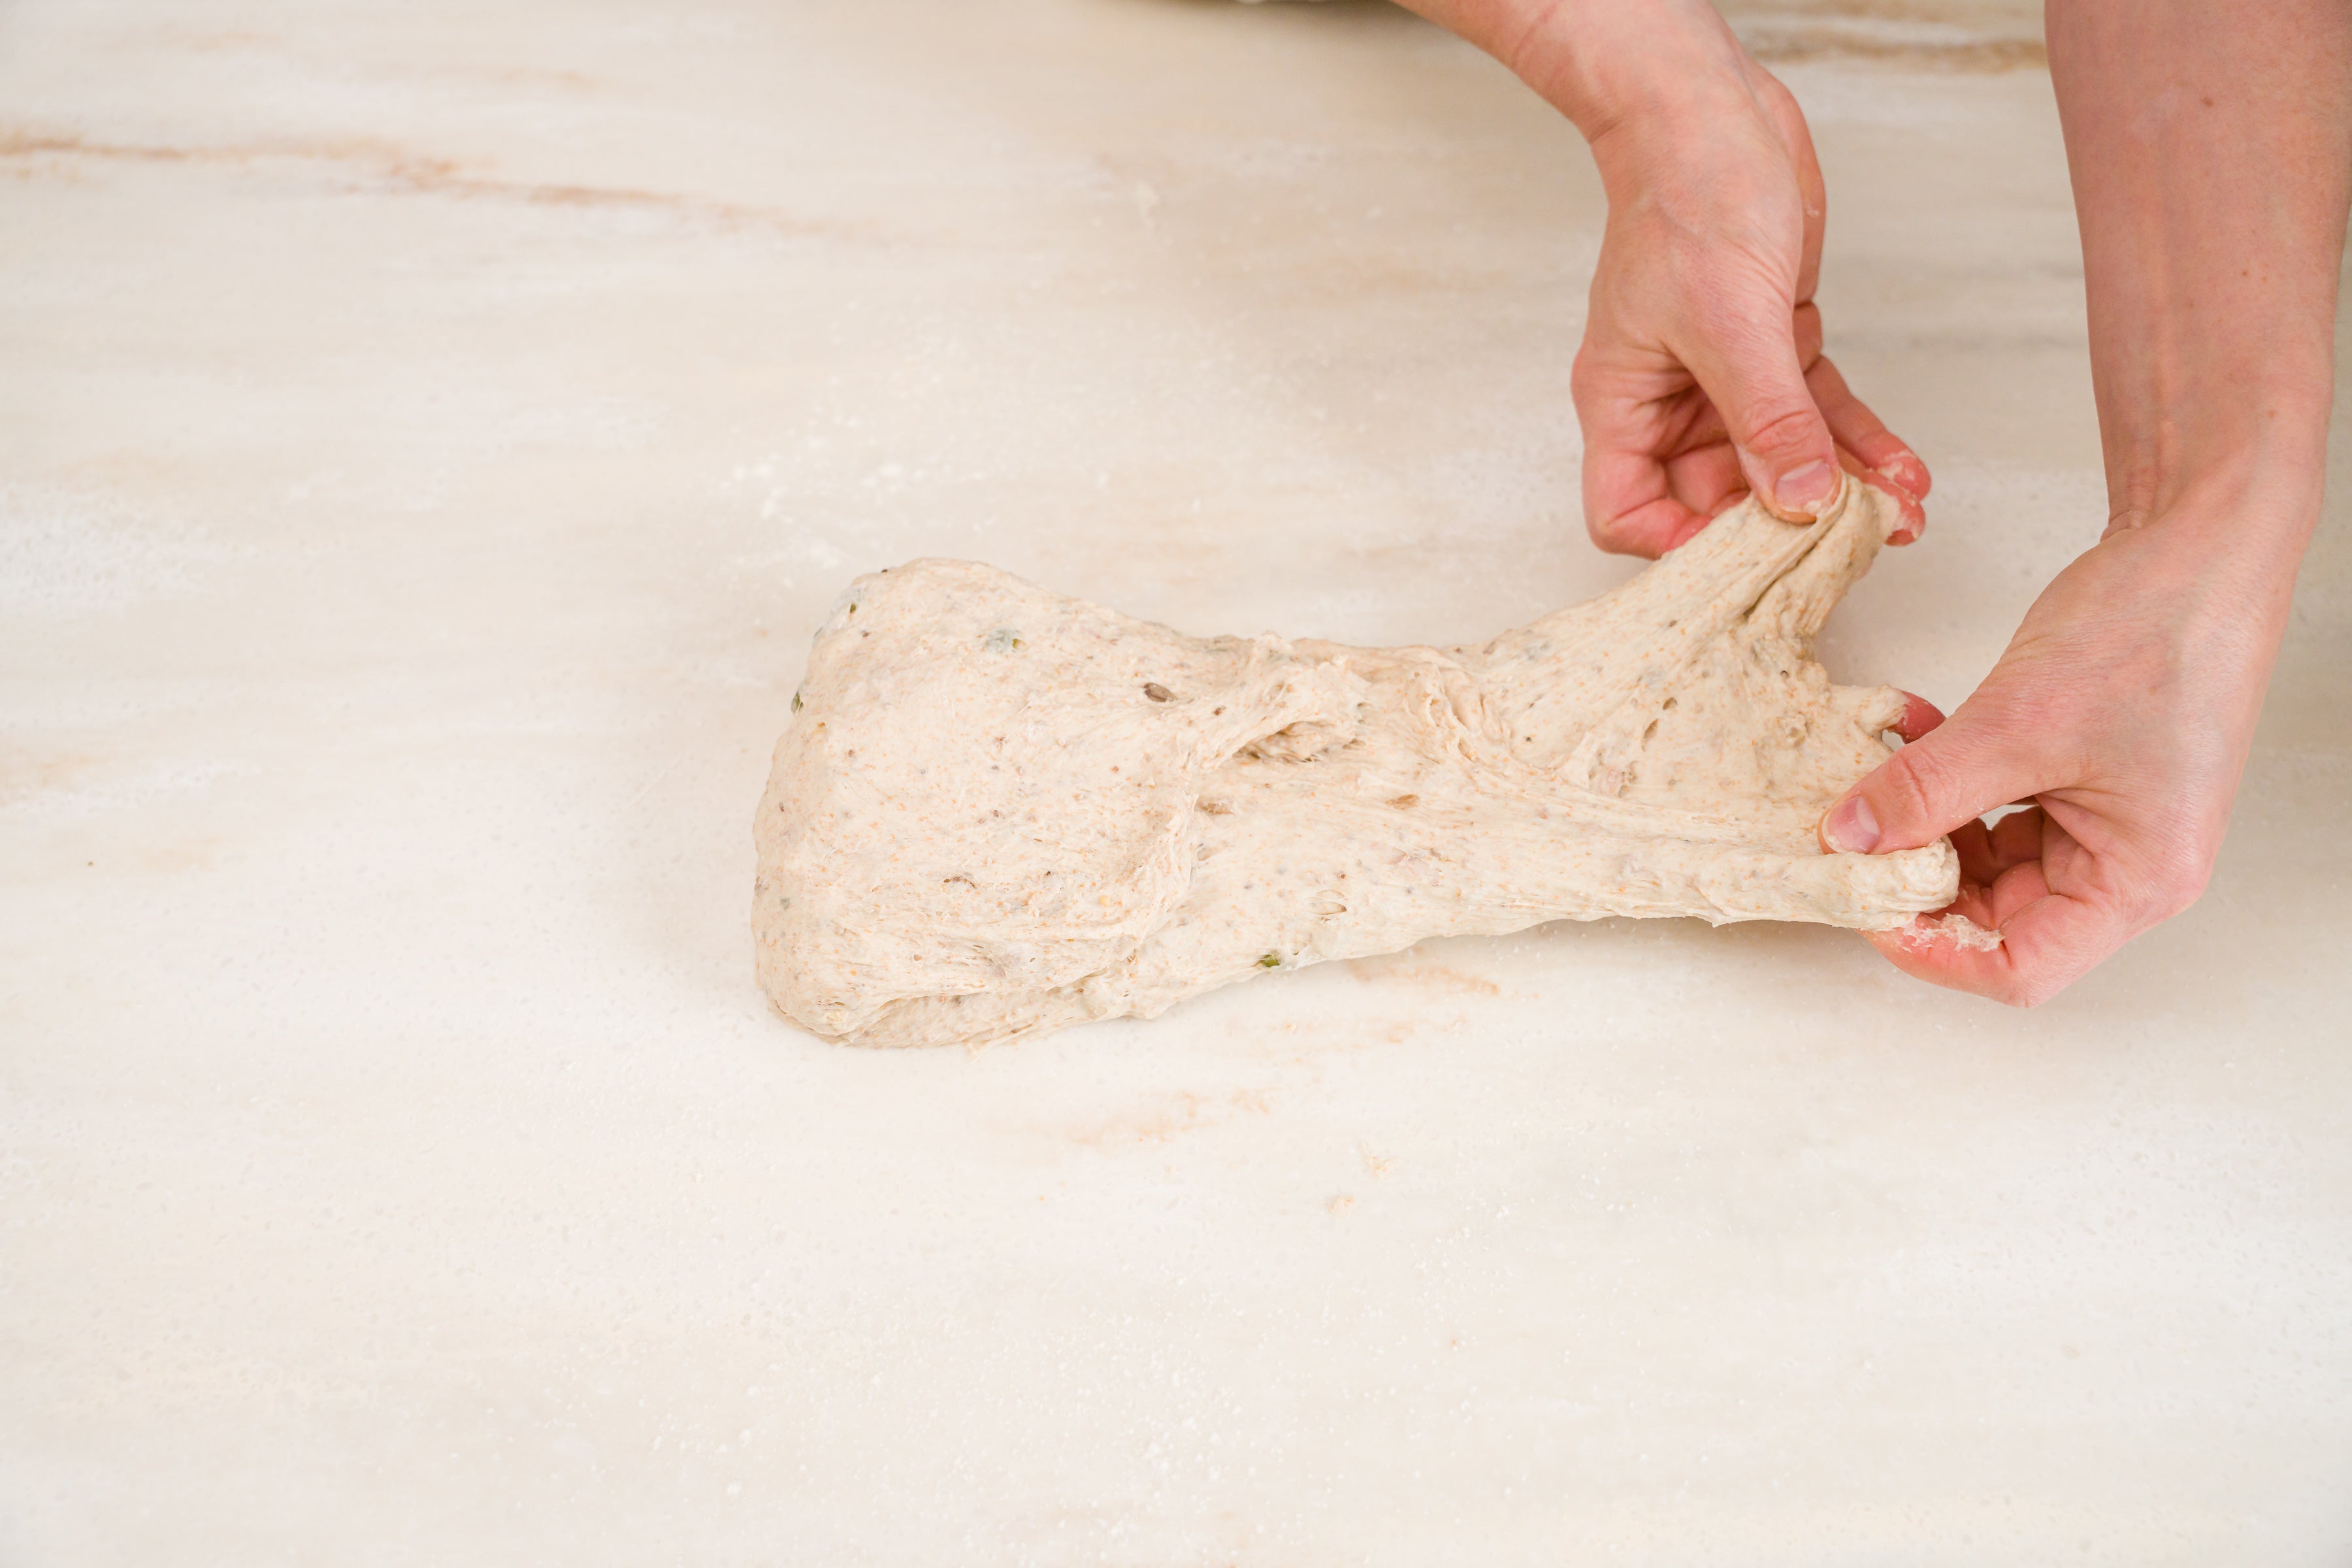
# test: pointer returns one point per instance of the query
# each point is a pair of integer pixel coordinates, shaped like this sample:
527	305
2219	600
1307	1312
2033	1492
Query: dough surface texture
998	810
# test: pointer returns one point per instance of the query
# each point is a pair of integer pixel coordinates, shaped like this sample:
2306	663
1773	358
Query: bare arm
2210	144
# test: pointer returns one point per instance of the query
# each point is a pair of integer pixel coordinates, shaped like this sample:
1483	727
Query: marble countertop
429	436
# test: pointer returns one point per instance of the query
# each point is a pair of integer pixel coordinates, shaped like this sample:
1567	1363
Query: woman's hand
2211	150
2122	709
1701	376
2210	144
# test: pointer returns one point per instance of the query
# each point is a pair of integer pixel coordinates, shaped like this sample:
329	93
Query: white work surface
428	437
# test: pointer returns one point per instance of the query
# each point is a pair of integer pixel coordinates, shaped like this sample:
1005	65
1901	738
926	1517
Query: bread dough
998	810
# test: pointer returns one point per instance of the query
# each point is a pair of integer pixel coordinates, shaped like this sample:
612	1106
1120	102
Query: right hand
2123	711
1701	376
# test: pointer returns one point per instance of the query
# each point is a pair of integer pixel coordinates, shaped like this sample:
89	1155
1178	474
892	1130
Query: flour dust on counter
998	810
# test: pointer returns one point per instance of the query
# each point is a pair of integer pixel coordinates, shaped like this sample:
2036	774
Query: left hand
1701	377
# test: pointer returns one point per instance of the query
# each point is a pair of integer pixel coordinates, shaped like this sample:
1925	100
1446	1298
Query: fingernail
1851	828
1808	489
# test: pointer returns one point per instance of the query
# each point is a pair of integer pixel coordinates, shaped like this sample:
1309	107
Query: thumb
1946	778
1757	385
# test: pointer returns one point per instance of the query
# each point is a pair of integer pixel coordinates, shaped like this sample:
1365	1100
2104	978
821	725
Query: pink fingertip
1907	474
1919	716
1913	515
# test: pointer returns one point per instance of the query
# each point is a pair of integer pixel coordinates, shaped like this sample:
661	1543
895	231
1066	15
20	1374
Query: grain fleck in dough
998	810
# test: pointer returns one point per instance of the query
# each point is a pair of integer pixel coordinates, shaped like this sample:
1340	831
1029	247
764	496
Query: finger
1706	480
1972	841
1629	506
1919	717
1950	776
2017	838
1913	519
1629	418
1750	370
1862	432
1649	530
1850	421
1805	328
1709	479
2001	866
2048	942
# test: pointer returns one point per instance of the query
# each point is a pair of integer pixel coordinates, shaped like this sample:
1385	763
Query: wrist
1652	84
2252	466
1636	77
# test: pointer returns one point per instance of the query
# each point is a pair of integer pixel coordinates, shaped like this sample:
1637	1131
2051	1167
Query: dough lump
998	810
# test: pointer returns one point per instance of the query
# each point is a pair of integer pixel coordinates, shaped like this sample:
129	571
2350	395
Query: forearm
2210	144
1620	69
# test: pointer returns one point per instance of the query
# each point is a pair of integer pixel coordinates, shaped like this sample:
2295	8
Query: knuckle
2175	894
1613	540
1776	427
2031	983
1583	379
1770	87
2179	880
2021	997
1911	787
2032	989
1605	530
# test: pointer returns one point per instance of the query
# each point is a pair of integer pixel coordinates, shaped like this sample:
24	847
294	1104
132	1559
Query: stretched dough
998	810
